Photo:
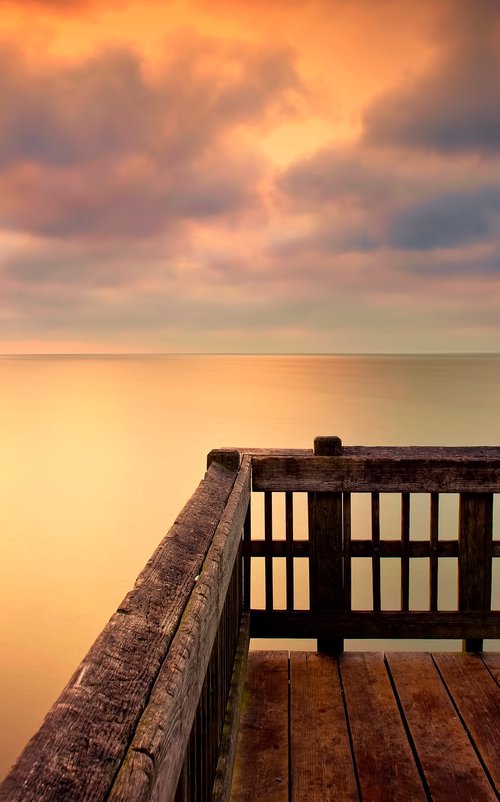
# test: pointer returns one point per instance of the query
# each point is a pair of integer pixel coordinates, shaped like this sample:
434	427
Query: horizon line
117	354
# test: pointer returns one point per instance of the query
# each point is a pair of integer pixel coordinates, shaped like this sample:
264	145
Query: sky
250	176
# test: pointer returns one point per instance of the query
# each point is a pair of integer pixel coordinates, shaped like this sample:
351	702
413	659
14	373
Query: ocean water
98	454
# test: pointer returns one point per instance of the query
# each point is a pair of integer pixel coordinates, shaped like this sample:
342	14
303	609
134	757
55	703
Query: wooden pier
399	727
168	705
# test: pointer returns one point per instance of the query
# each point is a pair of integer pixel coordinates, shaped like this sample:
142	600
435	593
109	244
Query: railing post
325	544
475	557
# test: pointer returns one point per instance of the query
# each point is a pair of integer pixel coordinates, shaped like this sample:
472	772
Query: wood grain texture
221	791
380	452
326	547
405	556
261	765
83	740
321	759
492	661
450	765
163	732
383	755
365	474
368	624
477	698
434	552
475	556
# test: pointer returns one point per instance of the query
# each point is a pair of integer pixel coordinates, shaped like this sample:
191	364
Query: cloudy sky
249	176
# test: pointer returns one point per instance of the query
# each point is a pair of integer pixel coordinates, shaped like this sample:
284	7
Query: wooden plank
477	698
475	556
153	762
221	791
450	765
376	594
346	500
247	557
321	759
289	551
405	556
492	662
367	624
268	536
434	552
261	764
393	548
380	452
383	755
360	474
423	452
83	740
326	547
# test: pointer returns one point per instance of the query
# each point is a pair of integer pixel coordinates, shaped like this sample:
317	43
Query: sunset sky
249	176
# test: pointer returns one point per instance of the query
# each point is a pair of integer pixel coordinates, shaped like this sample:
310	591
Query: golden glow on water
98	455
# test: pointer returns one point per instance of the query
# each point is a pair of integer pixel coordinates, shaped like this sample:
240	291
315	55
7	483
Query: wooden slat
375	503
360	474
221	791
364	548
247	558
405	555
434	552
279	548
268	539
451	768
347	549
326	547
261	764
79	748
153	762
475	556
492	661
381	452
477	698
289	550
383	756
367	624
393	548
321	759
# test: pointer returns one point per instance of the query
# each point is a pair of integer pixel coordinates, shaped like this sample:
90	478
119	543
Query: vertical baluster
347	549
376	551
325	546
405	551
433	562
475	556
247	559
268	536
289	550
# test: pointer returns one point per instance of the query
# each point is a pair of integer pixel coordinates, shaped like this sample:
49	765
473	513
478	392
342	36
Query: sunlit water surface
98	454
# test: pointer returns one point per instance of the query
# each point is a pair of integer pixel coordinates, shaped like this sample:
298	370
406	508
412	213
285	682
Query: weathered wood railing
142	717
331	476
149	714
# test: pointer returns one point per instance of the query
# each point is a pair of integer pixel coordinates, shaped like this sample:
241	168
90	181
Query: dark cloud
97	149
449	220
455	106
363	200
333	175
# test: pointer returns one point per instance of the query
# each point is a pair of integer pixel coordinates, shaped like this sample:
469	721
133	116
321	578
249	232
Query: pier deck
399	726
157	709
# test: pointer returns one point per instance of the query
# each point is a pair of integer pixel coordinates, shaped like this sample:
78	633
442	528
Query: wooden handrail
331	474
108	727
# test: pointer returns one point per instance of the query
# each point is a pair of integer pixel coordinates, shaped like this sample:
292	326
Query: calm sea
98	454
